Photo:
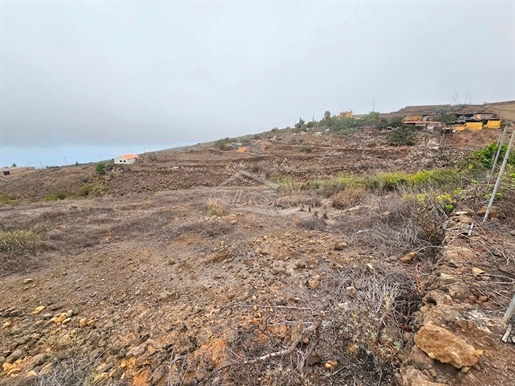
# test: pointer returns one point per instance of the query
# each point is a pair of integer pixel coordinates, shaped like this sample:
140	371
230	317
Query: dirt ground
141	285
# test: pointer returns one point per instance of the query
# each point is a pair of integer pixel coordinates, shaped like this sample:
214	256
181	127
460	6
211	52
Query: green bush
100	168
485	157
223	144
60	195
88	190
404	135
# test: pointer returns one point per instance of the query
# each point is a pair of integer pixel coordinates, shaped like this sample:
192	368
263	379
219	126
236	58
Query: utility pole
66	163
373	106
41	164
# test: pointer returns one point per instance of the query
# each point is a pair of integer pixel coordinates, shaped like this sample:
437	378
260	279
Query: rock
38	360
414	377
495	212
437	297
137	351
351	291
314	282
7	324
442	345
419	359
14	313
477	271
340	246
459	291
37	310
28	280
446	280
158	374
457	254
59	319
330	364
409	257
17	354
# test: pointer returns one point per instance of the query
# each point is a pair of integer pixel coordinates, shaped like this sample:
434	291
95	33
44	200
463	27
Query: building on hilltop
126	159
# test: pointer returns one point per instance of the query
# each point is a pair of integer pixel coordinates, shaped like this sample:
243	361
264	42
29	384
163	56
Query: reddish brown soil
140	287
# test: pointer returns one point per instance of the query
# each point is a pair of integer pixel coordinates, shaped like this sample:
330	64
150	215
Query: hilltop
301	256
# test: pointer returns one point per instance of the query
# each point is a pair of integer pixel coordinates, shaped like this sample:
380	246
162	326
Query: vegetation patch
19	241
215	208
60	195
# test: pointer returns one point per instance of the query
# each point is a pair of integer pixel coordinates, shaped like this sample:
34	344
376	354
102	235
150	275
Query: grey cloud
112	73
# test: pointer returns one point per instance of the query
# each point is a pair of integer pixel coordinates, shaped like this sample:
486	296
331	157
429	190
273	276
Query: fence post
509	311
499	177
499	145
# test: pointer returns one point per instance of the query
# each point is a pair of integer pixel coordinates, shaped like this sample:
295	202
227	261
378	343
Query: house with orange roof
126	159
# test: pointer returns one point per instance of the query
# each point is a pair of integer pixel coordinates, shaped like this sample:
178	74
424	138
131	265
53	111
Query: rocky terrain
211	267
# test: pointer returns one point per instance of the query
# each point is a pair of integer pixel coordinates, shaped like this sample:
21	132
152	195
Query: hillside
298	258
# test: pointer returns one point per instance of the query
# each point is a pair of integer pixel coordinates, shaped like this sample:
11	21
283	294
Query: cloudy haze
81	79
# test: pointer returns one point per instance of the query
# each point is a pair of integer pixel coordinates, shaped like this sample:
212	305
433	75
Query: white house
126	159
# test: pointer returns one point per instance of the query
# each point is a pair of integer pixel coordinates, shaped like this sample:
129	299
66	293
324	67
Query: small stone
330	364
409	257
83	322
28	280
17	354
38	310
59	319
314	282
446	280
351	291
340	246
494	212
7	324
482	299
137	351
459	291
477	271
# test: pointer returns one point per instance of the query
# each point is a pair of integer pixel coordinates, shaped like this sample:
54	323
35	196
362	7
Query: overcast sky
84	78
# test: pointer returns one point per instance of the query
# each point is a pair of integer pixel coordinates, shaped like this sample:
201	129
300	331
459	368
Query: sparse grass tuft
60	195
215	208
7	200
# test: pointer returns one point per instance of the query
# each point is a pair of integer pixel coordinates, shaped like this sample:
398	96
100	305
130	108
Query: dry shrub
372	307
313	223
17	248
350	196
215	208
298	199
208	229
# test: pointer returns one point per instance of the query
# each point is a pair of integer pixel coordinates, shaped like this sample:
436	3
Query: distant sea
71	154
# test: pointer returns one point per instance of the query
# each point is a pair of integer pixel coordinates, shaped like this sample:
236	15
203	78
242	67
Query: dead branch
280	353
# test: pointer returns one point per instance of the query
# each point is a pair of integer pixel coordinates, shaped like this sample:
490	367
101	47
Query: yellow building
474	125
493	124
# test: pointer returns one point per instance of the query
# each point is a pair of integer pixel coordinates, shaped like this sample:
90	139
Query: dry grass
19	241
17	248
351	196
215	208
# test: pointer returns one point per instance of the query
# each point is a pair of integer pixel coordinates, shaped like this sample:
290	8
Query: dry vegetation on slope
164	275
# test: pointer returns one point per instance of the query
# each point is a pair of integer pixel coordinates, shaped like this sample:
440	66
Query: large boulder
444	346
